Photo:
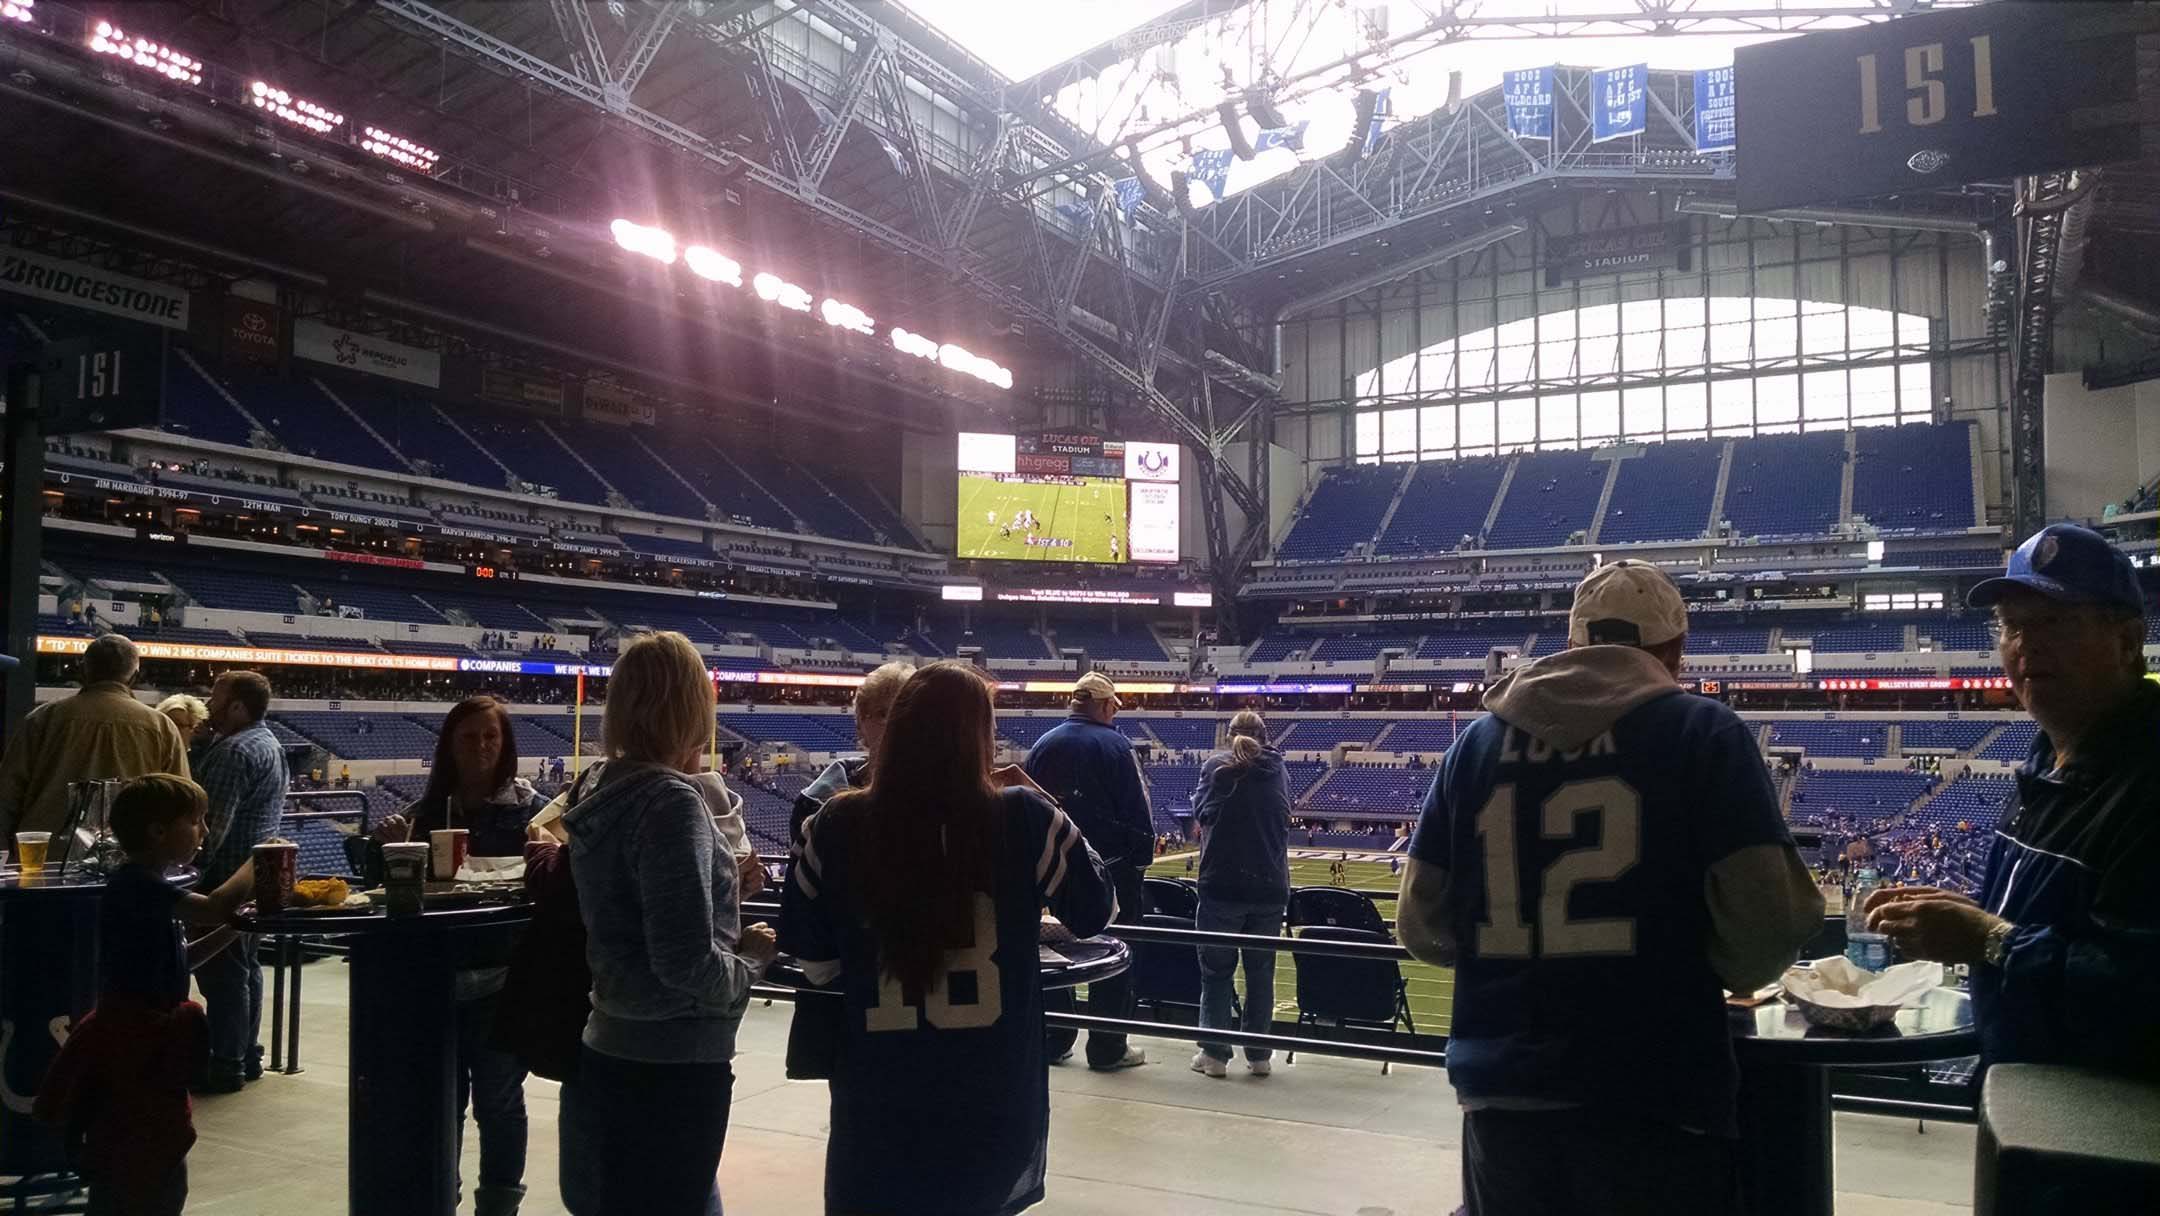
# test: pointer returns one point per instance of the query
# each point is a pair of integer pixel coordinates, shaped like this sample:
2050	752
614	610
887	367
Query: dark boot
497	1200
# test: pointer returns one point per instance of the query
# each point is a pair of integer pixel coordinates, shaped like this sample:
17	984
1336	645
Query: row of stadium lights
712	265
17	10
148	54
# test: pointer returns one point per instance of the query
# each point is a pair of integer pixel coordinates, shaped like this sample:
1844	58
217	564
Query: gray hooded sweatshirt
656	886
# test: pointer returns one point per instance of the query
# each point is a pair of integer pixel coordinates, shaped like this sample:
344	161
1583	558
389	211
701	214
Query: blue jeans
1217	963
647	1137
232	989
492	1082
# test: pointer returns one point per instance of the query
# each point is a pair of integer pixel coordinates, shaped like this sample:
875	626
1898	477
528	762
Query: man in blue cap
2064	942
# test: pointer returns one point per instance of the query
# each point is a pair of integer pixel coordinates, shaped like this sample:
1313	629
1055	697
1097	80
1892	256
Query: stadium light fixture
847	316
18	10
712	264
298	111
913	344
393	147
655	243
962	360
775	290
109	39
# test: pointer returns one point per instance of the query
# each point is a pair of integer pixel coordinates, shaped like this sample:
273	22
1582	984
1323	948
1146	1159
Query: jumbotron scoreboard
1060	496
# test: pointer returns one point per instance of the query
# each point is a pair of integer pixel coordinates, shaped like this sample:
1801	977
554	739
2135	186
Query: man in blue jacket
1088	765
1598	859
2064	941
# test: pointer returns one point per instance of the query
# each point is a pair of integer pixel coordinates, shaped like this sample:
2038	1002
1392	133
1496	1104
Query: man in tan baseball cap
1094	692
1603	831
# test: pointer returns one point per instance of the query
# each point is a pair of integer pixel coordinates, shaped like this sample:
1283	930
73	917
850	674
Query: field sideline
1432	989
1074	513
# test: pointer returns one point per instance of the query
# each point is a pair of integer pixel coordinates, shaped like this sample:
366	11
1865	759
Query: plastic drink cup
405	867
446	852
277	867
31	848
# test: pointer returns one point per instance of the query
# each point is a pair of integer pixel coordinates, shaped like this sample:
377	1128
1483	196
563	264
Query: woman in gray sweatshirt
1243	810
672	966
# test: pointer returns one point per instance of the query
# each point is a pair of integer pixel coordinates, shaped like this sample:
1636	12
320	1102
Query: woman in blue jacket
1243	810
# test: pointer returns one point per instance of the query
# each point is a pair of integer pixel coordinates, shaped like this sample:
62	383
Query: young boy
121	1081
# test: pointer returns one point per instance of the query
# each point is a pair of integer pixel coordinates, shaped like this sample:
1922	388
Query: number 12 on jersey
1504	933
892	1012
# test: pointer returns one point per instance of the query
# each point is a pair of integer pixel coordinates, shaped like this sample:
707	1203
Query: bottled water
1862	948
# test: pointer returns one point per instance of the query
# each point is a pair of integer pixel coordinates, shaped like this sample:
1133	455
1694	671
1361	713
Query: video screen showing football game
1066	498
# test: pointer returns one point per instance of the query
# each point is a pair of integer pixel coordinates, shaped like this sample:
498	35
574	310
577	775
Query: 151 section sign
1940	99
100	384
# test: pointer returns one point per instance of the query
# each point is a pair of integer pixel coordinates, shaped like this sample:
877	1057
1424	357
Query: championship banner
1616	251
605	402
1986	93
1619	102
1714	128
1529	96
250	331
84	286
320	343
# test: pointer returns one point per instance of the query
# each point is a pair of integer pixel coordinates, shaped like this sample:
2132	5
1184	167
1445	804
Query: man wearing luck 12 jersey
1595	859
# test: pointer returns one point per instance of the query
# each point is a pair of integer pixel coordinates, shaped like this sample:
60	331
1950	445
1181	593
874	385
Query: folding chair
1171	897
1335	907
1168	976
1360	993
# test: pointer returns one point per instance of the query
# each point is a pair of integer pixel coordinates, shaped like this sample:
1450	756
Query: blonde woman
672	967
873	705
1243	809
191	716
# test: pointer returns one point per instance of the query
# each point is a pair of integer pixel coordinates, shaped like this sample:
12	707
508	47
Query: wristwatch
1996	943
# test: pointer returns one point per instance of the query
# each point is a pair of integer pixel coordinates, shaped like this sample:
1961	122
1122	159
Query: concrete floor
1329	1137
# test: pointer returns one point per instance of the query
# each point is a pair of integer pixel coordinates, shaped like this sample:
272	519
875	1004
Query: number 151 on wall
1926	99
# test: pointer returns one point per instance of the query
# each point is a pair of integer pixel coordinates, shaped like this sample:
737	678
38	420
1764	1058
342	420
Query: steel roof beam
588	58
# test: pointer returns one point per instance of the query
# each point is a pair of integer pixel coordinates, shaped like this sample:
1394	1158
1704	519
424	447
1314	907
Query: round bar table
1788	1160
401	1112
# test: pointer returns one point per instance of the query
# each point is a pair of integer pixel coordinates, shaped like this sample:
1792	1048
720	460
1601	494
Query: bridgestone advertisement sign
99	290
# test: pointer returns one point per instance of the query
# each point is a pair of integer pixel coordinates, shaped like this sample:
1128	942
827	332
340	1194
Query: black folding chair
1171	897
1167	976
1359	993
1335	907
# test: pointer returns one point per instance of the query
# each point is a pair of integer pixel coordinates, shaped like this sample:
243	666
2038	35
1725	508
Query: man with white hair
1603	831
100	732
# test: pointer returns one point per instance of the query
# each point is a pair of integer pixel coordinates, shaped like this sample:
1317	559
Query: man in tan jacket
102	731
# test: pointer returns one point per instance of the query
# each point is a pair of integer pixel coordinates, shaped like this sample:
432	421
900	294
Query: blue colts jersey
941	1099
1577	901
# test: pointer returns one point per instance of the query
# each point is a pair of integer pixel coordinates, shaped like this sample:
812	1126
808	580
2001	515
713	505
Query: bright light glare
110	39
296	110
17	10
654	243
913	344
397	148
847	316
962	360
711	264
773	288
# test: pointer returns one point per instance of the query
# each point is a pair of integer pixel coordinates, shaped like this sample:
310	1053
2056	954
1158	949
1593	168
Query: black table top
76	882
1939	1026
508	907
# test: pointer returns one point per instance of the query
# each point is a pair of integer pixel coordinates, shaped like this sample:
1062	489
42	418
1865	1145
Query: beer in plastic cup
277	867
447	852
31	847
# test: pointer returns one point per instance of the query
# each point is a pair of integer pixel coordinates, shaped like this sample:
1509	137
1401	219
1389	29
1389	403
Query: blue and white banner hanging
1128	196
1081	214
1291	137
1374	130
1529	95
1211	168
1713	109
1619	101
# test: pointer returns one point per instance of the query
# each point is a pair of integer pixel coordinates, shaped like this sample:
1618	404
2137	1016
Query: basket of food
1836	994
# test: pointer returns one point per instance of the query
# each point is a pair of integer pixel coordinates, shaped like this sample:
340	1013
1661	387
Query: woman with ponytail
919	898
1243	811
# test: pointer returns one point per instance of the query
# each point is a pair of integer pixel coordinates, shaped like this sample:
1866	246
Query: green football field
1432	989
1088	515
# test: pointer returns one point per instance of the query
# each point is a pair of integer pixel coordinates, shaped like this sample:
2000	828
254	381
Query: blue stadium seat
1344	511
1785	485
1446	501
309	423
1663	494
2013	745
1956	735
1371	790
194	406
1472	644
1311	735
1850	740
1862	794
1914	478
1552	495
1135	643
236	590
